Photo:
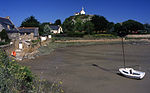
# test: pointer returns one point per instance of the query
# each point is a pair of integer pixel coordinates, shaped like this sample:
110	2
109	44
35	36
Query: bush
4	36
3	43
15	78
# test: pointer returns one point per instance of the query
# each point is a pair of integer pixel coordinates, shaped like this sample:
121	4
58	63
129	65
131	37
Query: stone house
12	31
56	29
29	33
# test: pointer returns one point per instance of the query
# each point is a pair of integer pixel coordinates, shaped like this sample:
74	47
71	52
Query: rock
32	55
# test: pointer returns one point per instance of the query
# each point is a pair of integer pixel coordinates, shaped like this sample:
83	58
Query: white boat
131	73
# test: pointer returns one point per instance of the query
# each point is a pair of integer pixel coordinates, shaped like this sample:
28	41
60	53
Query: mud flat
93	69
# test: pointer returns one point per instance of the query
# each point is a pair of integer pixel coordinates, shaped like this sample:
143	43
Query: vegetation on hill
95	24
80	25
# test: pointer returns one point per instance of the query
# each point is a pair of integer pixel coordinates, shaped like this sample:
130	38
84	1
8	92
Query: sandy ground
75	66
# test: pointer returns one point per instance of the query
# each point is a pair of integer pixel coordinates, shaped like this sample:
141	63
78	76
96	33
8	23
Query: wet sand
76	67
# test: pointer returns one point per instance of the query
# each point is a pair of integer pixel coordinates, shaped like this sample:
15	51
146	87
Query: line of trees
90	24
99	24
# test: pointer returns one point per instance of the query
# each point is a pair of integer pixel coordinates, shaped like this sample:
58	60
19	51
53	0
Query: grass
45	50
86	37
100	36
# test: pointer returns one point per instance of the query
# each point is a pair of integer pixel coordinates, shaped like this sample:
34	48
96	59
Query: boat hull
131	73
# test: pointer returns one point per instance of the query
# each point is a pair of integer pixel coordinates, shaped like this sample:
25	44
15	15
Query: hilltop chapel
82	12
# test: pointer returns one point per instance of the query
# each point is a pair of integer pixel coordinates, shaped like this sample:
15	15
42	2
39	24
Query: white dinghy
131	73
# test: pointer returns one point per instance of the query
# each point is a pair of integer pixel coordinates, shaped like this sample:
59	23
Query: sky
50	10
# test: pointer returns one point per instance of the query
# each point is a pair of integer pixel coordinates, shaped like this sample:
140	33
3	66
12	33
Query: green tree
30	22
119	30
147	27
78	26
88	27
132	26
100	23
68	25
41	28
47	29
74	24
58	22
4	36
110	27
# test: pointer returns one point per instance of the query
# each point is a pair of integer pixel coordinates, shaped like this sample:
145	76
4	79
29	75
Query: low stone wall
139	36
8	48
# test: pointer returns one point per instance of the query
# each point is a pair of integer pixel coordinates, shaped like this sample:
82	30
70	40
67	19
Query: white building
56	29
82	12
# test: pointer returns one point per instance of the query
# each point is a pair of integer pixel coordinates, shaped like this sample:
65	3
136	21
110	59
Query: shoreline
52	46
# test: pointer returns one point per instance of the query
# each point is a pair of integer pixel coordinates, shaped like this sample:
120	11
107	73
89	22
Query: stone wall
13	36
139	36
28	37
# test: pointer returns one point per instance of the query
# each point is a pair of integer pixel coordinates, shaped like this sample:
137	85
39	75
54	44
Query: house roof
54	27
27	27
6	21
29	30
14	31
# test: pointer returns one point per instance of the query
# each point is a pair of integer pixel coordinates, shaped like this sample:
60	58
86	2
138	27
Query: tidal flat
94	68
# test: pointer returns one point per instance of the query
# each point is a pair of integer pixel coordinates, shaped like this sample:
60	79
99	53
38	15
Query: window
125	72
136	74
8	27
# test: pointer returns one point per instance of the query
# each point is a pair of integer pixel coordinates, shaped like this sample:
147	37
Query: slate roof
29	30
14	31
5	22
54	27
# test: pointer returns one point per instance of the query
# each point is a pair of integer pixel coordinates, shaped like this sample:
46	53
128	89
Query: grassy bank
15	78
85	37
45	50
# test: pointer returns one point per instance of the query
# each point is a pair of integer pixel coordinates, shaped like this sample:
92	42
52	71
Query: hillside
81	18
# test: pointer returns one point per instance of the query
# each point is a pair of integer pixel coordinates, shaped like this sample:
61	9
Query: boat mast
123	52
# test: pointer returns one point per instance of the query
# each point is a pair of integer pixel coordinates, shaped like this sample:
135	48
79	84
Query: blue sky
50	10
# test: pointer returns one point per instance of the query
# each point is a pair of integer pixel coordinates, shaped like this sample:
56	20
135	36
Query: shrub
4	36
3	43
15	78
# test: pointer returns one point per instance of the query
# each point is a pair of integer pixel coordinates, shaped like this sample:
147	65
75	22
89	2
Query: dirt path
76	67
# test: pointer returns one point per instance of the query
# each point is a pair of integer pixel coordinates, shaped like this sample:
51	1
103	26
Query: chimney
7	17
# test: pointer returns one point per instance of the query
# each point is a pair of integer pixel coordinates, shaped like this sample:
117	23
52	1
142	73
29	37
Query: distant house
12	31
56	29
29	33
